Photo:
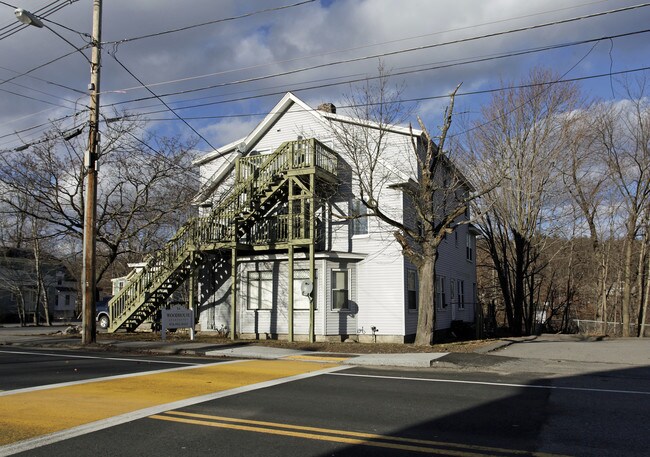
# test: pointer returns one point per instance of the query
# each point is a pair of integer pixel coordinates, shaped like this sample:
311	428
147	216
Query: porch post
290	311
191	284
312	243
290	217
233	293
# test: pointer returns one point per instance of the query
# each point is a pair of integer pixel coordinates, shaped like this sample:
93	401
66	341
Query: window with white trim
411	289
359	213
441	297
260	290
460	290
469	250
452	290
340	290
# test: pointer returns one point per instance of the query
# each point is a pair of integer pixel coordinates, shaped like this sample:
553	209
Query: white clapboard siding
377	268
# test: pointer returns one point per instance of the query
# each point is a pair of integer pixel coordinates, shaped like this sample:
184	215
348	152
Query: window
340	290
456	237
411	289
67	300
260	290
460	290
452	290
441	298
469	250
358	212
301	301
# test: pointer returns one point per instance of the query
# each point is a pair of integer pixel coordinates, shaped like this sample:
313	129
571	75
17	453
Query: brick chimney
327	107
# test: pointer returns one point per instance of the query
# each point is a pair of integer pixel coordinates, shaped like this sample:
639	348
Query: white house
363	287
283	248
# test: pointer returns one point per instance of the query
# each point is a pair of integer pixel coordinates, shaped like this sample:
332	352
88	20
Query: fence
588	327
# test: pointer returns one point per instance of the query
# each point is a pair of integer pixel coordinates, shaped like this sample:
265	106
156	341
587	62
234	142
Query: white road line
109	378
498	384
119	359
44	440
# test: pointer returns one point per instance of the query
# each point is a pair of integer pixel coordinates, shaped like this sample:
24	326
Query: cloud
229	130
237	57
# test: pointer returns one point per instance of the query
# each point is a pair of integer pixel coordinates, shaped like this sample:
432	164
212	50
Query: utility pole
90	163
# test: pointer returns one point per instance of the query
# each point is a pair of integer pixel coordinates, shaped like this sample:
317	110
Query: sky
233	60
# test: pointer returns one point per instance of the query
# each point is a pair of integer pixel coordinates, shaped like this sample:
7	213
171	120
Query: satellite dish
241	147
306	287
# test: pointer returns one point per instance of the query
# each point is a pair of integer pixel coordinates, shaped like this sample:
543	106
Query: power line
408	100
216	21
46	81
414	99
44	64
347	82
402	73
34	98
161	101
356	48
161	156
392	53
42	13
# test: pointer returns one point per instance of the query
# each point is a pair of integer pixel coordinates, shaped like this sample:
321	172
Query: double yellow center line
343	436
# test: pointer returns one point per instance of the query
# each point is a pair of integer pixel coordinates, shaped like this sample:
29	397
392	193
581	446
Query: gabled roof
243	145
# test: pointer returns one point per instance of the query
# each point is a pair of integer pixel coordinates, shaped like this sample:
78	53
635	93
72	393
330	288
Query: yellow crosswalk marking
31	414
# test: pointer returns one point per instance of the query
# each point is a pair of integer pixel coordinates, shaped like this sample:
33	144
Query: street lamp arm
28	18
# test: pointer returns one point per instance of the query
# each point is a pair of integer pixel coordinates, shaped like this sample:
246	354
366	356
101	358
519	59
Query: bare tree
435	191
624	134
146	184
521	135
586	178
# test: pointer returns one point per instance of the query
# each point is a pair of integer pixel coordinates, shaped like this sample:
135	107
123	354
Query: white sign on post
177	317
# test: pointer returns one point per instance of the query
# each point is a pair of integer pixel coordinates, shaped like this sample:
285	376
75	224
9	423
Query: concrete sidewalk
239	350
549	354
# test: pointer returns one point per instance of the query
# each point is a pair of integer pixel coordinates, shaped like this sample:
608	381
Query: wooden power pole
90	162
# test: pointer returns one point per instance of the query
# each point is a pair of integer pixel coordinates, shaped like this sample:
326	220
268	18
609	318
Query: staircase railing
253	175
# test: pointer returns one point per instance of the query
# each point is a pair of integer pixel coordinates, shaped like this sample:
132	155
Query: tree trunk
519	292
426	301
643	313
20	302
627	286
41	294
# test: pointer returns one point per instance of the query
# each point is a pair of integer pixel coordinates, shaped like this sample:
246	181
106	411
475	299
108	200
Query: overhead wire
347	82
161	156
393	53
42	13
561	80
402	73
216	21
162	101
56	59
356	48
46	81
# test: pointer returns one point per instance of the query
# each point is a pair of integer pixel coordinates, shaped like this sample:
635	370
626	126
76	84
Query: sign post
177	317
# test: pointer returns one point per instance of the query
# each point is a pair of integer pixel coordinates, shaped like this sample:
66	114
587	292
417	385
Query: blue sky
278	38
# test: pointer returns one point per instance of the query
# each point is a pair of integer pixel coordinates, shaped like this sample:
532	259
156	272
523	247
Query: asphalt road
342	412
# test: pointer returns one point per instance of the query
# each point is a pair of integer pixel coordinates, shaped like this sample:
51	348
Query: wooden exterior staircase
256	214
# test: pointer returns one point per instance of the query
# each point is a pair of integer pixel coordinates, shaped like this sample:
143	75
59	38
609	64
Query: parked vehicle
101	314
